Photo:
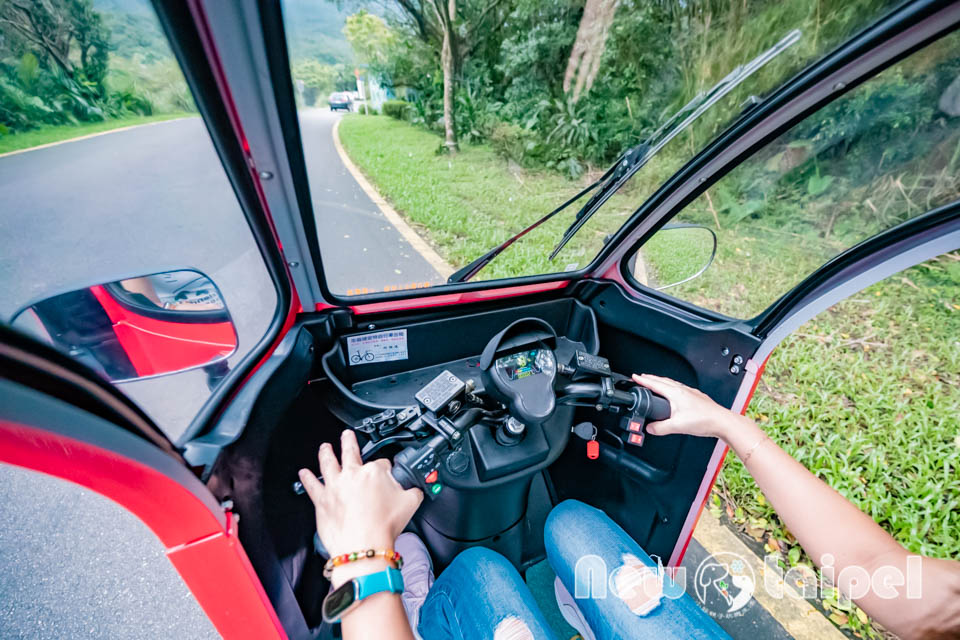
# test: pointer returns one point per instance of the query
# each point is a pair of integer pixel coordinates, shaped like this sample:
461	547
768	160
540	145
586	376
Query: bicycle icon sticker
382	346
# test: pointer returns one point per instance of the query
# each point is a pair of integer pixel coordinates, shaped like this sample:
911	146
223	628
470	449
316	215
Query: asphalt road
133	202
360	248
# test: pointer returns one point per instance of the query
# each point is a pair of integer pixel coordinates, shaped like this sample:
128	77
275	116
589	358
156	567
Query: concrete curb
416	241
797	616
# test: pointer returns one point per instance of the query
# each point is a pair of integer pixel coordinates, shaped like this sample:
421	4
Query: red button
635	438
431	477
634	426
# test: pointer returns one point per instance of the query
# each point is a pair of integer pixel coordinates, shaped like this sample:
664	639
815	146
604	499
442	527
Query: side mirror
676	254
139	327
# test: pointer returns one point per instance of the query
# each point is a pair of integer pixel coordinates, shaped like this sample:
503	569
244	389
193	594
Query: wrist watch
350	594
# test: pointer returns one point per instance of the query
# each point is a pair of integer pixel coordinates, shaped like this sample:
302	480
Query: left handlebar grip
403	476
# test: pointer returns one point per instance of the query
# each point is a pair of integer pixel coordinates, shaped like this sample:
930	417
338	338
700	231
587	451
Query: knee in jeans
564	519
482	559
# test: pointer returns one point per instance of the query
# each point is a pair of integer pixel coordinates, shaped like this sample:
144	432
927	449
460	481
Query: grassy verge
46	135
866	395
467	203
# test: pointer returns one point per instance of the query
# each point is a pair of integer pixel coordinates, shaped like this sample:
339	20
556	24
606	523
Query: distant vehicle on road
340	101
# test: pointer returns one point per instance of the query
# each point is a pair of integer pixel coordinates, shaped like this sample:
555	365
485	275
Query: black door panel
650	489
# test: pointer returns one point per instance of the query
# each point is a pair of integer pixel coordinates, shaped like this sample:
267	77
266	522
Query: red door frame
203	547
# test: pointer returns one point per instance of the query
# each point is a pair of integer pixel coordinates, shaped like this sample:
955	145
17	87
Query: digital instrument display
521	365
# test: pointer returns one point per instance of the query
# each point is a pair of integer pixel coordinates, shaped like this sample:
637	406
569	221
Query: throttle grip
651	406
659	408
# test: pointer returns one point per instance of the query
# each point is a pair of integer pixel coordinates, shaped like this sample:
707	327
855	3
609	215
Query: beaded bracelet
389	554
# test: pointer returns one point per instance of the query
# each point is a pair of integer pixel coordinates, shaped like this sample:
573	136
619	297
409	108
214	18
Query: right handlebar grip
659	408
650	406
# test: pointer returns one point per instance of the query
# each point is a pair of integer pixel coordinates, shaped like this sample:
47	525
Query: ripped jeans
480	596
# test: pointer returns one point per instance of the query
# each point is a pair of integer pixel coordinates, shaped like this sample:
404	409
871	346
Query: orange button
431	477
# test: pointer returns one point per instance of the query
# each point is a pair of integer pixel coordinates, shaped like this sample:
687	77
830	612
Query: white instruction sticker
382	346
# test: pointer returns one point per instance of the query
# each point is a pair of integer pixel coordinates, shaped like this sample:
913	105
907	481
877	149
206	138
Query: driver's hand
691	411
359	506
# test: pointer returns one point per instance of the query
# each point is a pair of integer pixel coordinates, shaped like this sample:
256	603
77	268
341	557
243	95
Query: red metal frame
207	554
423	302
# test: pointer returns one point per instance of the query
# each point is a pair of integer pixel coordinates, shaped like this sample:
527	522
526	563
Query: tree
589	47
66	34
453	28
317	79
370	37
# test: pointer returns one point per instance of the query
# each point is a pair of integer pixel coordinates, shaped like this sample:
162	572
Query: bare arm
830	529
360	506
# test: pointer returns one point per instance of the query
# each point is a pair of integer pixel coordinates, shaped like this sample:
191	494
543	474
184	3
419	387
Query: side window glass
884	153
121	240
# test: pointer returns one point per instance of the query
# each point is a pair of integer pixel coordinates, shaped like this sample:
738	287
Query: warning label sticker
382	346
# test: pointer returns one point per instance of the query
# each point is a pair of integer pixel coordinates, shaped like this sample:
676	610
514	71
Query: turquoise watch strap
389	579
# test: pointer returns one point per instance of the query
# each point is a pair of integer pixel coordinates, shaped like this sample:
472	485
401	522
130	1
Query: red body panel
453	298
156	346
207	555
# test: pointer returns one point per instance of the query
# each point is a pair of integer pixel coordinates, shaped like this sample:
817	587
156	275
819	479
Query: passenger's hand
359	506
691	411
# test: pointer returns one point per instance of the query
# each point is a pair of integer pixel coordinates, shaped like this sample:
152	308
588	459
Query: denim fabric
575	530
476	593
480	589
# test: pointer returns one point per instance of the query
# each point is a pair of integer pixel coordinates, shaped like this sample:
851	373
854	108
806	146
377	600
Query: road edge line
91	135
797	616
417	241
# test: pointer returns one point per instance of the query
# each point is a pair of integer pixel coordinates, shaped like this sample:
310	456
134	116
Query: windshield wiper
638	156
635	158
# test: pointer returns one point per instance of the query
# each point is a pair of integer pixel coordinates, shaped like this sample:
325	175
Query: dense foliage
657	56
69	62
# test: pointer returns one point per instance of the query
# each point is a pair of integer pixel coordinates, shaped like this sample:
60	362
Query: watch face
338	601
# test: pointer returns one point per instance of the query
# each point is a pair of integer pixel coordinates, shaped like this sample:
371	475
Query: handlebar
418	466
655	407
640	400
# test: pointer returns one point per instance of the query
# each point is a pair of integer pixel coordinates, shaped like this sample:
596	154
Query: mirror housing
141	327
675	254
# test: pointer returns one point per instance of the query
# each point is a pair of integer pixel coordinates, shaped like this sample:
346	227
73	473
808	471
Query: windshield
422	158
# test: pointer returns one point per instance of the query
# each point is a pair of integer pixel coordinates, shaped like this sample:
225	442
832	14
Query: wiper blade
635	158
474	267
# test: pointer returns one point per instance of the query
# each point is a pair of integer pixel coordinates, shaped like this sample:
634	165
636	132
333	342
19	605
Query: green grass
866	395
46	135
465	204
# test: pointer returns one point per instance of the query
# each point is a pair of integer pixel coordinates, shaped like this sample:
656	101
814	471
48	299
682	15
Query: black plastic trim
182	33
278	65
47	370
